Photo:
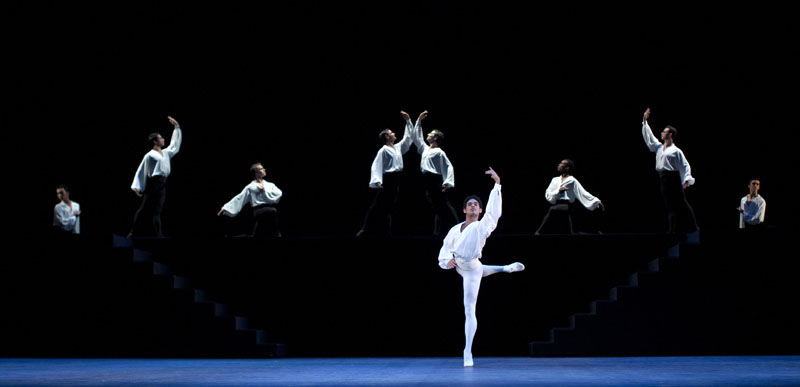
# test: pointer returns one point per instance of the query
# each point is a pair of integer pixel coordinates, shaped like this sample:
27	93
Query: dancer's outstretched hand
646	114
405	115
172	121
422	115
493	175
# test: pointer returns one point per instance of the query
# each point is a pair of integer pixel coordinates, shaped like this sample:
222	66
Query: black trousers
558	219
378	219
680	215
152	203
444	214
265	217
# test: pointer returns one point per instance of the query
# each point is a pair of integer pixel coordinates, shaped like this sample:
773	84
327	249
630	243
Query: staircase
732	295
646	316
193	324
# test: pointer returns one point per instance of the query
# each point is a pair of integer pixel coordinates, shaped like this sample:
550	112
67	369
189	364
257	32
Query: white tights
472	283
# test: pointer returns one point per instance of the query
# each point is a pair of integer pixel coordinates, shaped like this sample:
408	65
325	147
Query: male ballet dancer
150	180
462	250
675	176
437	174
67	213
562	193
385	176
262	197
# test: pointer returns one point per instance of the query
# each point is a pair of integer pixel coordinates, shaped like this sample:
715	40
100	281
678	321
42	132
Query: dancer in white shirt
675	176
562	193
462	248
150	180
67	213
437	174
384	178
752	207
262	197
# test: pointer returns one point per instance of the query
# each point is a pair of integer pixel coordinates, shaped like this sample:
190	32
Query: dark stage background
305	87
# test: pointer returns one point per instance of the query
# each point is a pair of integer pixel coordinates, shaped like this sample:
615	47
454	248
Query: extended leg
491	269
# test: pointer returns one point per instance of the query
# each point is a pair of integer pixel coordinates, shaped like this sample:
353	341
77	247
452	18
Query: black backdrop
304	87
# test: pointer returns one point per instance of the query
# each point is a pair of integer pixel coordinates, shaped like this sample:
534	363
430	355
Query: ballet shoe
516	266
468	359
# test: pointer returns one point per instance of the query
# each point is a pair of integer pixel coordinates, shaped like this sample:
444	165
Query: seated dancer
384	178
67	213
462	248
437	174
561	194
262	197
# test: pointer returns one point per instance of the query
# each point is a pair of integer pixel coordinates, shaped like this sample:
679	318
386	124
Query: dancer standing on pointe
462	250
384	176
437	174
675	176
262	197
150	181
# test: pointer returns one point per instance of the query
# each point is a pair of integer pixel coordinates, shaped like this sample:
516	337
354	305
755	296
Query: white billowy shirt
254	193
390	159
157	163
466	245
667	159
574	191
65	218
752	211
433	160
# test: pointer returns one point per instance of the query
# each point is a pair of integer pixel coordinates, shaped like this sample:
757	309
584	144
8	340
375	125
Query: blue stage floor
491	371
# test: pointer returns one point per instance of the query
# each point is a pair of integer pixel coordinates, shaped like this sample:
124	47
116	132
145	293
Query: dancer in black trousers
150	181
675	176
384	178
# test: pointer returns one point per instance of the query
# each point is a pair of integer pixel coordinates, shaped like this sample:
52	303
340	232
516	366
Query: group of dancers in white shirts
463	243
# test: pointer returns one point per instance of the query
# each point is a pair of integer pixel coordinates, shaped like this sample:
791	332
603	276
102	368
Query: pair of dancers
150	183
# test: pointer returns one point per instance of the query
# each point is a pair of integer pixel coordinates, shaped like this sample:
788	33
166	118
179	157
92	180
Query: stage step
630	322
208	325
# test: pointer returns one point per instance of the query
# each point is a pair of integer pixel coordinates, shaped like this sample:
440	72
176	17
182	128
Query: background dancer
561	193
752	207
675	176
462	248
384	177
150	181
66	214
437	174
262	197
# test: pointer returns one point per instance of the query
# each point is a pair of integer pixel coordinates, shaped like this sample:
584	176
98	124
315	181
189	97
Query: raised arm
649	138
418	137
176	139
494	207
408	135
